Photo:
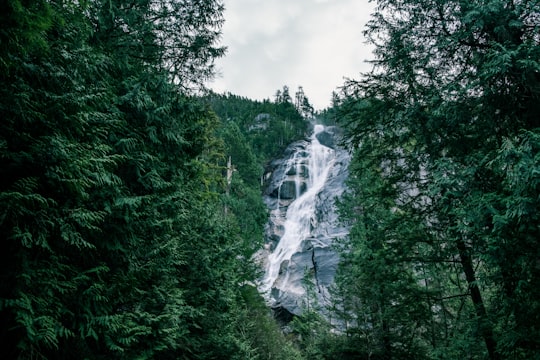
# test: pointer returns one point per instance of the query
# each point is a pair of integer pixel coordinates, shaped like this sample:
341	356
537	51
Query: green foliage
442	193
267	127
260	329
121	238
380	291
312	332
241	154
114	240
24	25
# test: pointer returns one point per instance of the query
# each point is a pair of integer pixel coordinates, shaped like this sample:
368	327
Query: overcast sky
310	43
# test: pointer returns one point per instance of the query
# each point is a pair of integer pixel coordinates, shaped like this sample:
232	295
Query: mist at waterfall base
298	259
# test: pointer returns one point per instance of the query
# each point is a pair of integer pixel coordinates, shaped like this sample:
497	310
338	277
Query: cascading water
301	199
300	215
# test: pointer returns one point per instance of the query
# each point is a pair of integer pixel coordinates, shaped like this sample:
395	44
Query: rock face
303	225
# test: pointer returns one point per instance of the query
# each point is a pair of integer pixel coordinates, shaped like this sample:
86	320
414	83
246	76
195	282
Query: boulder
326	139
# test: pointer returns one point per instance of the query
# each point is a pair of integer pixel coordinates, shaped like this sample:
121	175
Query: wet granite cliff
301	191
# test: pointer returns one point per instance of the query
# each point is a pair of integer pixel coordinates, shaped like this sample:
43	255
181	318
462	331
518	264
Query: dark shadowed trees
114	243
440	128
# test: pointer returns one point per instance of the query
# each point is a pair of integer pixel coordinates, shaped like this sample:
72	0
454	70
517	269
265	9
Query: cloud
308	43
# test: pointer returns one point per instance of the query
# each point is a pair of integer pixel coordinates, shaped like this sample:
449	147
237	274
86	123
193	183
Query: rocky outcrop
289	172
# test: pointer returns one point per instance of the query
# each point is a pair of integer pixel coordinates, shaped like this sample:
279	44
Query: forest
130	194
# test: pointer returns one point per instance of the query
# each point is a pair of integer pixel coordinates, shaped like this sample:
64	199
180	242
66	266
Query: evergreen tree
268	127
440	126
113	241
302	103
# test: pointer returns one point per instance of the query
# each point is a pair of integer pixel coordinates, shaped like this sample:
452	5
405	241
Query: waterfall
309	167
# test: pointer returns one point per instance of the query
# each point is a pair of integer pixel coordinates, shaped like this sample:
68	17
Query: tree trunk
484	324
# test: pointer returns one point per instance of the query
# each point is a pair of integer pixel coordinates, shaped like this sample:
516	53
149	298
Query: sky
315	44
